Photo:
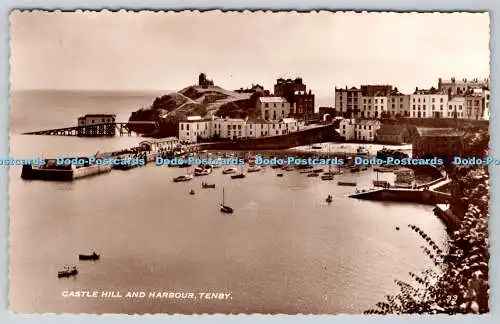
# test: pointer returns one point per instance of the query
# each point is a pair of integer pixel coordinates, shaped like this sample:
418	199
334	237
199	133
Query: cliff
194	100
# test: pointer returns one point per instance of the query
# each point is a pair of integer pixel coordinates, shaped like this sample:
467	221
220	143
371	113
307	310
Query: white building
358	130
429	103
346	128
156	145
232	128
398	104
235	128
274	108
96	119
456	108
365	130
194	127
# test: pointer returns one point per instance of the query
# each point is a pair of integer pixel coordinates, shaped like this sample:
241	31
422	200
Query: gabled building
454	87
428	103
347	102
274	108
398	104
443	143
352	129
392	134
303	106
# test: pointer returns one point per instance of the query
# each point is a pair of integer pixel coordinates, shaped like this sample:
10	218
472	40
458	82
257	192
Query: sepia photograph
211	162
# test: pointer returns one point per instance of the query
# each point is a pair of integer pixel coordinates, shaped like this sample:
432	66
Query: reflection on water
284	250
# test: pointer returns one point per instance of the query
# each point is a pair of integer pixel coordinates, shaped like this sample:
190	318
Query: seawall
305	137
426	197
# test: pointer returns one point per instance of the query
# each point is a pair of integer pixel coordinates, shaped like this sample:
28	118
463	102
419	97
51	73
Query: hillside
193	101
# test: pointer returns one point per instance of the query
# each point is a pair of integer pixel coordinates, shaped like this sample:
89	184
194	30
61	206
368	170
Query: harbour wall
427	197
314	135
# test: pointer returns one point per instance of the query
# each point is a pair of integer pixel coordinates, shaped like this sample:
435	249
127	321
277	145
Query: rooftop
387	129
273	99
430	132
430	91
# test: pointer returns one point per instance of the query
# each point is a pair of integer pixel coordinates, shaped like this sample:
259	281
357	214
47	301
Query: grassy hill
193	101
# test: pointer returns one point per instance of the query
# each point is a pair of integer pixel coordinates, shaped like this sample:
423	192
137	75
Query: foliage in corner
459	281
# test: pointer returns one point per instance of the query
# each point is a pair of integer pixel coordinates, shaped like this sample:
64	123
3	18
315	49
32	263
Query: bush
459	282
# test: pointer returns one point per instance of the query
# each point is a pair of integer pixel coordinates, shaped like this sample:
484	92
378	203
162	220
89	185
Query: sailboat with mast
223	207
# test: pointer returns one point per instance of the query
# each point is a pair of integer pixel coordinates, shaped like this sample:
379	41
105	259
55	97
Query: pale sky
167	51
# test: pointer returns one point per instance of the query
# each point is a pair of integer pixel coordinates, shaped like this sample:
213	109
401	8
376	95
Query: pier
97	130
422	194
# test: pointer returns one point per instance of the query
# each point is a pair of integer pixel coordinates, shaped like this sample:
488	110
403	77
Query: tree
459	282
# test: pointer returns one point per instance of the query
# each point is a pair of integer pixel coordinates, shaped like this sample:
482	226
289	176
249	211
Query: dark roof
387	129
430	132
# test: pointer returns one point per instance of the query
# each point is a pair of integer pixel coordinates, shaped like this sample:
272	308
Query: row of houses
196	128
372	130
465	99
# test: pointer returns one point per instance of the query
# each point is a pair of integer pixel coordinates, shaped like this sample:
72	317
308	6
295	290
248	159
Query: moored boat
202	171
182	178
206	185
67	272
229	171
312	175
94	256
347	183
254	168
238	176
223	207
327	177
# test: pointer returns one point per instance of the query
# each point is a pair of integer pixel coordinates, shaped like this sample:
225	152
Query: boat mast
222	196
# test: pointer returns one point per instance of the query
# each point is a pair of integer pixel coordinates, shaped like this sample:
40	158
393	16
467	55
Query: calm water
283	250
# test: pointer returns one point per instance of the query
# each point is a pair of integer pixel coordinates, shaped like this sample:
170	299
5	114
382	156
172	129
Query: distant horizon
150	51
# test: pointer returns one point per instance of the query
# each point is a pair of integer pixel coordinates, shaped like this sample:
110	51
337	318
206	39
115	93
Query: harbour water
284	250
